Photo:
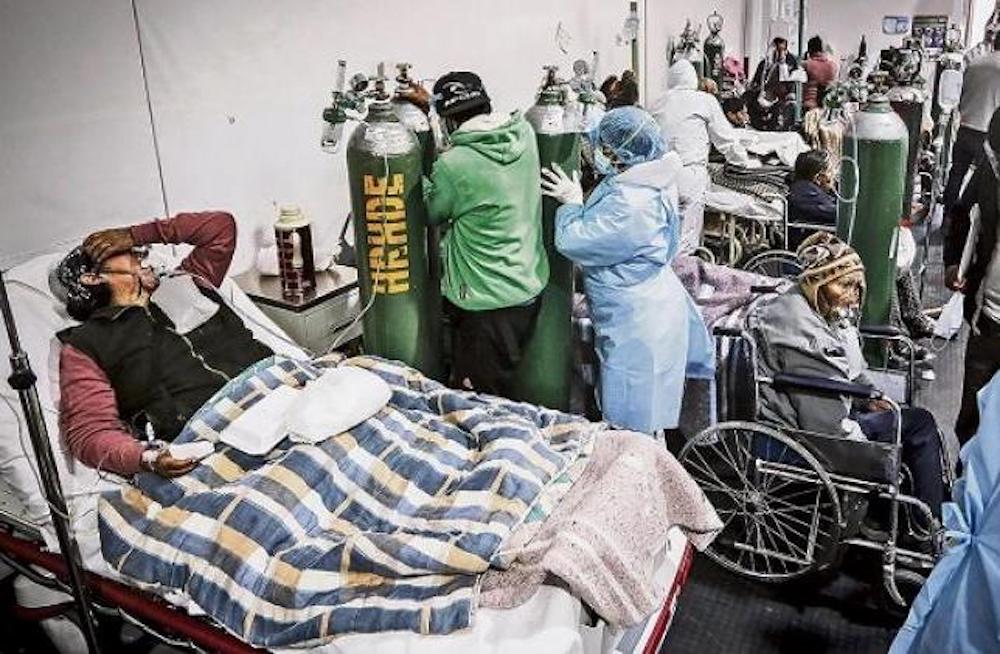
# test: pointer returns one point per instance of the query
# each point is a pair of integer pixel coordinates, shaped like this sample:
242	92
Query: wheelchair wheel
774	263
704	254
780	511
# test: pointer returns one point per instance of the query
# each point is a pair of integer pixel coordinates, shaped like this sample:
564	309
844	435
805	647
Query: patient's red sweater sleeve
88	416
212	233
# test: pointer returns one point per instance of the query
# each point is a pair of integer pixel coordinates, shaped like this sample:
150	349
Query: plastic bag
950	321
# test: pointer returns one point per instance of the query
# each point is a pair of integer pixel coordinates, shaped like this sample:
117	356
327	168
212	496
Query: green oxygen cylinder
544	374
385	169
876	138
908	103
415	119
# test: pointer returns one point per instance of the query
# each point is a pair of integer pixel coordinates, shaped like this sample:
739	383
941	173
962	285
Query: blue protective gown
958	609
649	334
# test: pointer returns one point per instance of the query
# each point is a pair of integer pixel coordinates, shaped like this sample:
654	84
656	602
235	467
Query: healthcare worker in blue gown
649	335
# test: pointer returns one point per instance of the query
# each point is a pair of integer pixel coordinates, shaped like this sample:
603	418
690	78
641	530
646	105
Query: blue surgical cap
632	134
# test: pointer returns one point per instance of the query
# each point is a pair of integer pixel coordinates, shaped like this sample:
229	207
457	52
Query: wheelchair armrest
763	289
824	385
727	332
882	331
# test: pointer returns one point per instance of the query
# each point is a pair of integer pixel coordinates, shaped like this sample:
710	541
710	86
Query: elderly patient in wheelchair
808	330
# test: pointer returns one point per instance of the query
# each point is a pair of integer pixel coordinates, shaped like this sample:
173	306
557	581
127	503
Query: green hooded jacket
485	189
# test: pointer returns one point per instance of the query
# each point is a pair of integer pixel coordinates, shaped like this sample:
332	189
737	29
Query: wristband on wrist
148	458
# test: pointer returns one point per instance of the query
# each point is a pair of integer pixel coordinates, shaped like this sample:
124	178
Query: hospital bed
553	620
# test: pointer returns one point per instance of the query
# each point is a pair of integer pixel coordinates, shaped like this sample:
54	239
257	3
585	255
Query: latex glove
557	184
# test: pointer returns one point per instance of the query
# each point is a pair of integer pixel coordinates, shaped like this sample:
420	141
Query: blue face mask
602	164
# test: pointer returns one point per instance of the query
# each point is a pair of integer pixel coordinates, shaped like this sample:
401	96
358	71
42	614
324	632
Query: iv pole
22	380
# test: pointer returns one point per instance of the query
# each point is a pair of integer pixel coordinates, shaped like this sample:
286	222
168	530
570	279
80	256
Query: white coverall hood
682	77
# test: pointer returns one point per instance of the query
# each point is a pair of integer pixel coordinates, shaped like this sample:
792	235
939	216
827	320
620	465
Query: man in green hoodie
484	191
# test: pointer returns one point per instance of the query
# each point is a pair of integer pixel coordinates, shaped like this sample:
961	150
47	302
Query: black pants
967	148
489	345
921	449
982	361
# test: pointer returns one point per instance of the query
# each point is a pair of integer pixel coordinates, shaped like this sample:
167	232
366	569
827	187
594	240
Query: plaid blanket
384	527
766	182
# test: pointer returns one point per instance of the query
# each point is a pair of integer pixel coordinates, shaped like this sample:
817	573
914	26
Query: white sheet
786	145
724	200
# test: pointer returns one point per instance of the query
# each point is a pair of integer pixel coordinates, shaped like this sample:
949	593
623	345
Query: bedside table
317	320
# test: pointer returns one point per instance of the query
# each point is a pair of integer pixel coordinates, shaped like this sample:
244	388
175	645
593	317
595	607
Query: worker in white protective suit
649	334
691	121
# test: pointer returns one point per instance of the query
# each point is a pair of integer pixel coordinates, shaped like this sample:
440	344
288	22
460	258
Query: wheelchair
792	502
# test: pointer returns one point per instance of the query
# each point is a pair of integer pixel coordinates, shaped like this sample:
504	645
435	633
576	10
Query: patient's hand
108	242
167	466
952	280
879	405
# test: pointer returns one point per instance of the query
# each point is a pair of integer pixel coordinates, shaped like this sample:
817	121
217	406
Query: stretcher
552	621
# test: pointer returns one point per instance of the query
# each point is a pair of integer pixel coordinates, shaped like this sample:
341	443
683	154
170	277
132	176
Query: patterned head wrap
80	299
825	258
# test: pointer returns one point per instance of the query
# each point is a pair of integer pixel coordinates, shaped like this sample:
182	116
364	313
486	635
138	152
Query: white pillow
38	316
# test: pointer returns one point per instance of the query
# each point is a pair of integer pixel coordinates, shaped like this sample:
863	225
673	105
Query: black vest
159	376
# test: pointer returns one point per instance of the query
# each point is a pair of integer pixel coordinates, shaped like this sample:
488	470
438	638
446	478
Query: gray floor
719	612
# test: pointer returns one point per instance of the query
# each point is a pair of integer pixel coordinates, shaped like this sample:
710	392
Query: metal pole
634	11
22	380
801	49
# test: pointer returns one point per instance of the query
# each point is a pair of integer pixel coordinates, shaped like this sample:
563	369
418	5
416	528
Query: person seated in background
778	56
811	200
648	332
809	330
148	352
484	189
735	109
620	92
810	195
771	96
821	71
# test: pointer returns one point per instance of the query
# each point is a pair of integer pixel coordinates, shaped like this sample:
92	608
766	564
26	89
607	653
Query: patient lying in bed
149	351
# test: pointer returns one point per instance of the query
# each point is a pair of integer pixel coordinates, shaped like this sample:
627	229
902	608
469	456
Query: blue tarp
958	610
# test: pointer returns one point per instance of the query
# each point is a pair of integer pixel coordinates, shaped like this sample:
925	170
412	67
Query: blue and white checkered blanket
384	527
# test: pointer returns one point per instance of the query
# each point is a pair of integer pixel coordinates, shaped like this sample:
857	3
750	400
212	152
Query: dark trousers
489	345
921	449
967	148
982	361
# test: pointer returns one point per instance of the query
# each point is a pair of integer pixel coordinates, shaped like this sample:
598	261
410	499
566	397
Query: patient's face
739	118
843	294
126	274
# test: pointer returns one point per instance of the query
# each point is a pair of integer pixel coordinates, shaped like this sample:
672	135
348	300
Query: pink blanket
603	539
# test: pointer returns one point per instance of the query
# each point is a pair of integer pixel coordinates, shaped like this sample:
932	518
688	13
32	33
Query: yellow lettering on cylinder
385	224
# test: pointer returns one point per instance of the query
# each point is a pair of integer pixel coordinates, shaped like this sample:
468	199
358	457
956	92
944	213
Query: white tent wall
979	14
842	22
237	87
666	19
75	147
